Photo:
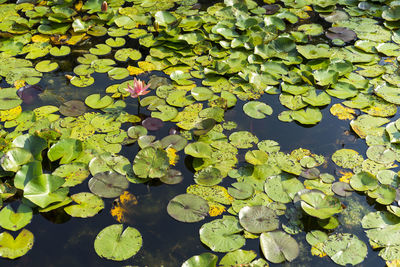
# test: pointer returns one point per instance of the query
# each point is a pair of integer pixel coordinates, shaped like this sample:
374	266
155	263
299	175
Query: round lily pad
28	94
345	249
205	259
363	181
381	154
108	184
97	102
202	93
73	108
241	190
188	208
342	33
277	246
136	131
172	177
317	204
175	141
152	124
208	176
198	150
100	50
222	235
60	51
342	189
9	99
82	81
88	205
46	66
113	244
258	219
347	158
257	109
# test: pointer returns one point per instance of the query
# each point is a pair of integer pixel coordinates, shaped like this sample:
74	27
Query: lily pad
222	235
10	248
240	190
46	66
206	259
11	220
151	162
319	205
363	181
73	108
257	109
278	246
9	99
97	102
345	249
188	208
113	244
258	219
208	176
342	33
108	184
88	205
152	124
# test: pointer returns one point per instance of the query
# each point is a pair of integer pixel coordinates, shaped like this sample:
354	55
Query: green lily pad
384	194
74	173
175	141
188	208
243	139
118	73
237	258
317	204
14	158
14	221
10	248
205	259
151	162
278	246
258	219
202	93
257	109
345	249
82	81
381	154
45	189
88	205
347	158
113	244
222	235
363	181
60	51
46	66
240	190
282	188
100	50
198	150
310	115
117	42
31	143
172	177
97	102
66	150
208	176
137	131
125	53
108	184
9	99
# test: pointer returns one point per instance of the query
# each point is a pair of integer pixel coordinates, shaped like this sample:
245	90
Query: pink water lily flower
139	88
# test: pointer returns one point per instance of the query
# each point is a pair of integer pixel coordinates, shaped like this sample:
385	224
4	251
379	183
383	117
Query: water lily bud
104	6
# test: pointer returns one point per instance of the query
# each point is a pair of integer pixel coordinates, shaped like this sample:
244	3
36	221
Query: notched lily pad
108	184
188	208
258	219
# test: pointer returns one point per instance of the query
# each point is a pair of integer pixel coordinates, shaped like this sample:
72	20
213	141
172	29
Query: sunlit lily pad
188	208
277	246
108	184
151	162
206	259
10	248
11	220
222	235
363	181
258	219
111	243
342	33
46	66
345	249
88	205
198	150
319	205
257	109
82	81
238	257
97	102
100	50
347	158
208	176
282	187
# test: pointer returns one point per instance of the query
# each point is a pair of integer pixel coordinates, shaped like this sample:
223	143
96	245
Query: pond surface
257	71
